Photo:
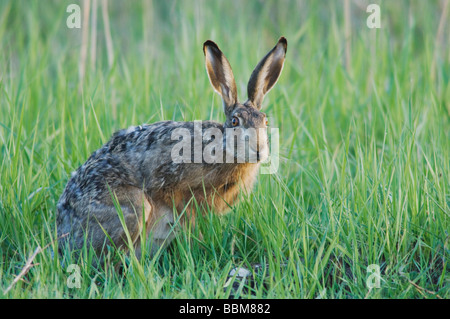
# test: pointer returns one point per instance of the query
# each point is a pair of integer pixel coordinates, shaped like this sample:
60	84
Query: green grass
364	174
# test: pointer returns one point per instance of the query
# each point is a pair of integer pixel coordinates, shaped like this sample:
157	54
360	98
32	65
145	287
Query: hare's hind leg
136	210
104	224
161	228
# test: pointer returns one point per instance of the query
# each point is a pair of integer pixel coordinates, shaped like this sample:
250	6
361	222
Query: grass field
364	120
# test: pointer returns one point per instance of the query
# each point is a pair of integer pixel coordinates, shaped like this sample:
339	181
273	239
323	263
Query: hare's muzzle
262	151
247	145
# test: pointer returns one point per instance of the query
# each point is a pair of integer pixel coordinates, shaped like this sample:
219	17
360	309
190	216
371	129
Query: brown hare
136	167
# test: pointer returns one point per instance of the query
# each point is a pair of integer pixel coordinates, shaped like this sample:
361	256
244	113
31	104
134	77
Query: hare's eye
235	121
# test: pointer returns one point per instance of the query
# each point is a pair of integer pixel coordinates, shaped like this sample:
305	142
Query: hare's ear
220	75
266	73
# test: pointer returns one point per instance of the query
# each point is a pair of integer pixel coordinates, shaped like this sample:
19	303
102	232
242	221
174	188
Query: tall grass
364	176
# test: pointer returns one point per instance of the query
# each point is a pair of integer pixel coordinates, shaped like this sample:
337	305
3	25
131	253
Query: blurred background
136	52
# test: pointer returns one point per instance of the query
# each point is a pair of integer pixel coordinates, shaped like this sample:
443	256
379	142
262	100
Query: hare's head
245	121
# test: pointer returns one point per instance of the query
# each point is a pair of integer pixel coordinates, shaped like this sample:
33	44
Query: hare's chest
227	194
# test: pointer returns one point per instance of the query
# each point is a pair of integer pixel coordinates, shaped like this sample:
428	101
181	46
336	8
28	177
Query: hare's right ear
266	74
220	75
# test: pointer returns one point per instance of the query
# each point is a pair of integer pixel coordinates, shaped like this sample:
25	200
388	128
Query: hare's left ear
266	74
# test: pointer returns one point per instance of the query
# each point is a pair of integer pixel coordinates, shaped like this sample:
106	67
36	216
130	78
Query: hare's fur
134	169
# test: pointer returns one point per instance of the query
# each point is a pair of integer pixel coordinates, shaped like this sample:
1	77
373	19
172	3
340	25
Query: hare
136	170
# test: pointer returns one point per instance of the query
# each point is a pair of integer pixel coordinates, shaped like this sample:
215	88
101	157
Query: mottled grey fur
135	169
